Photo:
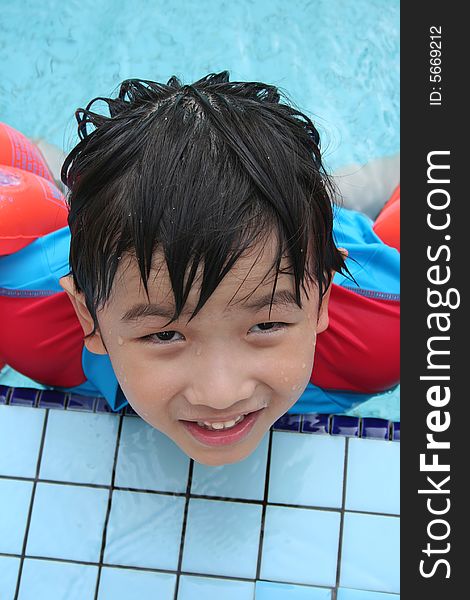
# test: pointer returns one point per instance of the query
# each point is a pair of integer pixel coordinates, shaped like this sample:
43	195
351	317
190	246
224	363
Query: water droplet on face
286	379
198	352
294	387
120	340
303	365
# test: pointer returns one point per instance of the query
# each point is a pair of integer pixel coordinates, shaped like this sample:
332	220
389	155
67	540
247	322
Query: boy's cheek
148	393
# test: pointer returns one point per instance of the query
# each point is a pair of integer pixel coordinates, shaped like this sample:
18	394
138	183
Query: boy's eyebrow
140	311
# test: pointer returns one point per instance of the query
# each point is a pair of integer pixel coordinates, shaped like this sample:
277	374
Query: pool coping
313	423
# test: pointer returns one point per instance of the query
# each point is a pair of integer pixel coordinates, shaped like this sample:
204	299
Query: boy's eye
166	337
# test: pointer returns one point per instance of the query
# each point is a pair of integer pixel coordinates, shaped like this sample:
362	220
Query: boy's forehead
250	270
248	286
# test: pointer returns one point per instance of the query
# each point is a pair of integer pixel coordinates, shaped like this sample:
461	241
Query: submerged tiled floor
103	506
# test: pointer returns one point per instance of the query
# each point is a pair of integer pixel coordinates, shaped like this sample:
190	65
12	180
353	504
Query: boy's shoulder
374	265
34	272
39	265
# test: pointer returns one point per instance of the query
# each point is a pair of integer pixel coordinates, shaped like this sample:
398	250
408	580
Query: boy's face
222	364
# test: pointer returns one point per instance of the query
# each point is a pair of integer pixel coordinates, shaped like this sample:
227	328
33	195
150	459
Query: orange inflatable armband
17	151
30	207
387	224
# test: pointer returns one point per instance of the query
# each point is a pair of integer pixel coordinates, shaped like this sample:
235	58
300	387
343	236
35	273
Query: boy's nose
222	393
222	384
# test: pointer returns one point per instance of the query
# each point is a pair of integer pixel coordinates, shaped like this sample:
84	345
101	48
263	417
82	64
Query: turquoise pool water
337	59
98	506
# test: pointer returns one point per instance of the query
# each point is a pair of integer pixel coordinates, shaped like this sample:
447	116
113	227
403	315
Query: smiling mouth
223	436
223	419
218	420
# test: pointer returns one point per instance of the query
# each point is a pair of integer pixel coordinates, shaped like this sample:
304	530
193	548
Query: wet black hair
200	172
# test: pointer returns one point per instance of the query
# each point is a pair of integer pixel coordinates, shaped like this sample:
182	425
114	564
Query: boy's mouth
225	420
223	436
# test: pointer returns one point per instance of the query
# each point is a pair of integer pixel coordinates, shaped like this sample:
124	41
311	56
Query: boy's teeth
225	425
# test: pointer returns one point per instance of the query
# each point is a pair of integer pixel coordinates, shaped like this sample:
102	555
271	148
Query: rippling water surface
338	60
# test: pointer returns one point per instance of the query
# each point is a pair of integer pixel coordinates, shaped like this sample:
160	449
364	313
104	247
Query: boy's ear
323	319
95	343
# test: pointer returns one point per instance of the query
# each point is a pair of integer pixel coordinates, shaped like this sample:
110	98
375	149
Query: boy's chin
215	457
219	461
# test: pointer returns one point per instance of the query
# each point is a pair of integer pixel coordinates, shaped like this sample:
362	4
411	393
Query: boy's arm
367	187
54	158
360	350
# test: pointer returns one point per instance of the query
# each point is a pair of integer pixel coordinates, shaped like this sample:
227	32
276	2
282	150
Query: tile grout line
108	510
183	528
31	504
341	522
263	512
198	496
168	571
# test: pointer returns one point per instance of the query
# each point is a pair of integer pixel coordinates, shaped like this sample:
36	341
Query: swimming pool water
338	60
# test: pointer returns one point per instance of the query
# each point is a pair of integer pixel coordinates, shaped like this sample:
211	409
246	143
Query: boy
189	207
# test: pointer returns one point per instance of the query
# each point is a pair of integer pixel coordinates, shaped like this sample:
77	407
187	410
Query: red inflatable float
31	205
387	224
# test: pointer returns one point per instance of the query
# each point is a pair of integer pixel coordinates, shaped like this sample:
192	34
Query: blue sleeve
374	265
